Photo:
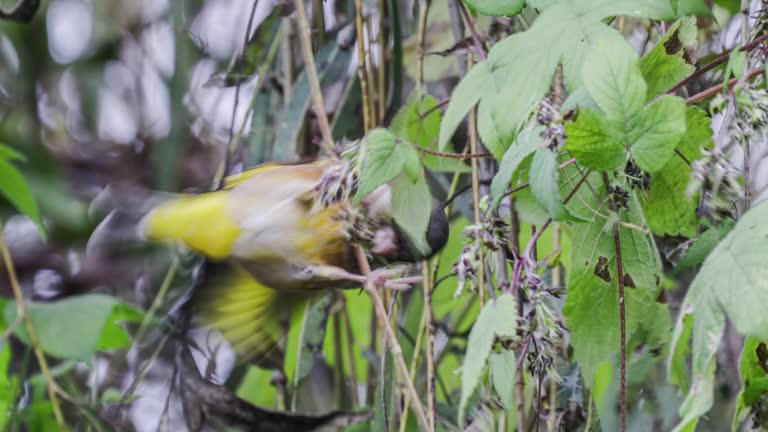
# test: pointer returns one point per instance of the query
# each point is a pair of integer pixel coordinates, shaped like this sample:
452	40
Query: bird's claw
387	278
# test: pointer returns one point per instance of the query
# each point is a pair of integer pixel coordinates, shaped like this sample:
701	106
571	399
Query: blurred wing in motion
249	315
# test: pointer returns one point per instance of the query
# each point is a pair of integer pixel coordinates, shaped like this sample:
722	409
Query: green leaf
76	327
668	206
650	134
525	144
591	140
732	6
592	305
17	192
692	7
612	76
735	66
8	153
753	367
544	185
496	7
464	97
733	282
383	160
701	247
411	124
503	368
497	319
666	64
656	132
411	208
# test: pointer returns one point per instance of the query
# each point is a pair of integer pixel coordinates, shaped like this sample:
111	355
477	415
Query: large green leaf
733	282
656	132
593	142
418	122
383	160
612	77
649	134
76	327
668	206
496	7
592	305
666	65
522	65
498	319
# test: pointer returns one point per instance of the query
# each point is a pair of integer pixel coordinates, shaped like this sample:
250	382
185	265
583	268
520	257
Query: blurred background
106	99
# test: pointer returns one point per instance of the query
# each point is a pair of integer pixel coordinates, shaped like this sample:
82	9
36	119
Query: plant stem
717	62
623	328
475	37
371	70
391	339
420	39
716	89
382	39
622	318
362	71
429	334
314	82
22	312
473	146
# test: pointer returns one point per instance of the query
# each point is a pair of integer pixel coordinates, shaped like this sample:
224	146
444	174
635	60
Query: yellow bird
272	243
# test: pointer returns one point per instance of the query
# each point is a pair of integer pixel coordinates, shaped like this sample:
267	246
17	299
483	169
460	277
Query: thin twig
382	39
420	39
745	66
362	71
453	155
314	81
471	25
429	335
716	89
717	62
373	81
233	140
391	339
35	342
473	146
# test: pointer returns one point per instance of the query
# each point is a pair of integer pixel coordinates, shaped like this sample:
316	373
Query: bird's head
391	241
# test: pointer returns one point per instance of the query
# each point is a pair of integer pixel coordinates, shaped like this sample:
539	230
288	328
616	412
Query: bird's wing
251	316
